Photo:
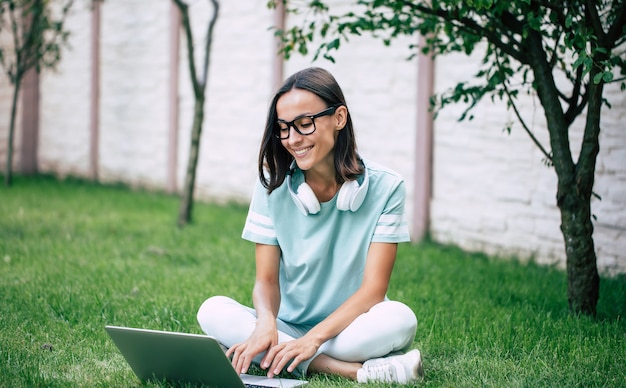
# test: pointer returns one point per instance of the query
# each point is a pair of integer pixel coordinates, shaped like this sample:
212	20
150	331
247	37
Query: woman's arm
266	293
378	267
381	258
266	299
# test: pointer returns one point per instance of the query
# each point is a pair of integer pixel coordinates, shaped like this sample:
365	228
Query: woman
326	226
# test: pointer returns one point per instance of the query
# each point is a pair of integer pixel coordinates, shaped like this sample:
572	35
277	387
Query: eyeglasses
304	125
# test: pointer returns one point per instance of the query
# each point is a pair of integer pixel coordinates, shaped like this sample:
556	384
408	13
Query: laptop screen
183	357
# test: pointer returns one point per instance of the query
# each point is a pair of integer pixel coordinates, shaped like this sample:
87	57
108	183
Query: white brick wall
65	105
491	191
134	90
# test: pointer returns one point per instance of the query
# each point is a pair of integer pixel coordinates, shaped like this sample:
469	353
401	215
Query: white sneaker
403	369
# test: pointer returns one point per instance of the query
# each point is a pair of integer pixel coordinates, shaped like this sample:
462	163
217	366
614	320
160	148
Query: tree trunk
199	87
186	203
582	271
583	281
8	177
574	182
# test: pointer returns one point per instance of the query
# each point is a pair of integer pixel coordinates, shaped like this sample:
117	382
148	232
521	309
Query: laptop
184	358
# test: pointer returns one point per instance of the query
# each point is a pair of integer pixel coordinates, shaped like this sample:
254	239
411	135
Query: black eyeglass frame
292	124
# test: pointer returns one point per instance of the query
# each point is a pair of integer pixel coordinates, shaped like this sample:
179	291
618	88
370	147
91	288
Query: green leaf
324	30
302	49
334	44
579	60
597	78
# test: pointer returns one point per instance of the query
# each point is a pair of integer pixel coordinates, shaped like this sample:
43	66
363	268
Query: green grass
76	256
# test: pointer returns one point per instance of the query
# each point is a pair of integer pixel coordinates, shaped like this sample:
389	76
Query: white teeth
302	151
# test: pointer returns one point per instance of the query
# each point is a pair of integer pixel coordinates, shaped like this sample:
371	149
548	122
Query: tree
529	43
199	87
37	38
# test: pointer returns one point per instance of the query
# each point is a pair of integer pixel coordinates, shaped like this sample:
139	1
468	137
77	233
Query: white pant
387	327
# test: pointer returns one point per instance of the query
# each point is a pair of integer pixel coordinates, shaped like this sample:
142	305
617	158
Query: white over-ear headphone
350	196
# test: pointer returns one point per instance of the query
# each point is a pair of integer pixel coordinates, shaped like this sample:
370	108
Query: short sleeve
392	225
259	227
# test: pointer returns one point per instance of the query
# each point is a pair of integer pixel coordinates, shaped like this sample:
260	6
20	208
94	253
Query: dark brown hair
274	160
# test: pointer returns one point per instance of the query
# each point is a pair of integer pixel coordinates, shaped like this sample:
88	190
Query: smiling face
314	152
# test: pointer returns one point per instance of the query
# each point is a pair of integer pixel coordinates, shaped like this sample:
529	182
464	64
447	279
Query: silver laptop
184	358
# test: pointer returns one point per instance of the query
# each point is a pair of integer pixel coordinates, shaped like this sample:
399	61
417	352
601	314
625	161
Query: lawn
76	256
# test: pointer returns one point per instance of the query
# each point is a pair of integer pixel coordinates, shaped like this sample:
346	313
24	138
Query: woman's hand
262	339
298	350
266	298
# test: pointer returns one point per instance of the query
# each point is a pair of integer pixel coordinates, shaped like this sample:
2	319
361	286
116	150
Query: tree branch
586	164
576	107
547	93
209	41
472	26
14	73
184	11
615	31
594	21
519	117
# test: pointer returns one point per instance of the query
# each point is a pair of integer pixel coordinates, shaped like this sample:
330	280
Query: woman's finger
270	356
281	359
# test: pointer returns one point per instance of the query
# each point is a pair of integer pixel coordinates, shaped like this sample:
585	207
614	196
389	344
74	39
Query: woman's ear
341	117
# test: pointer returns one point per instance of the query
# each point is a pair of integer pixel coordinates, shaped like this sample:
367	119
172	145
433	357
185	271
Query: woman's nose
294	136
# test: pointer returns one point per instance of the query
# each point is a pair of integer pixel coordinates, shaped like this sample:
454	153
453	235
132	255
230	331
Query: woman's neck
322	182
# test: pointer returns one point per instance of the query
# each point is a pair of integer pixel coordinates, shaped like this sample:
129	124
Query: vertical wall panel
134	91
65	99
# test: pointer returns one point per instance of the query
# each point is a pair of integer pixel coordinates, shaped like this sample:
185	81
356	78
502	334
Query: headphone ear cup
351	195
307	198
345	195
358	197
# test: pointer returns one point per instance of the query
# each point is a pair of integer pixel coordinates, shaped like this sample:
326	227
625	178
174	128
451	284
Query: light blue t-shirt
323	255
